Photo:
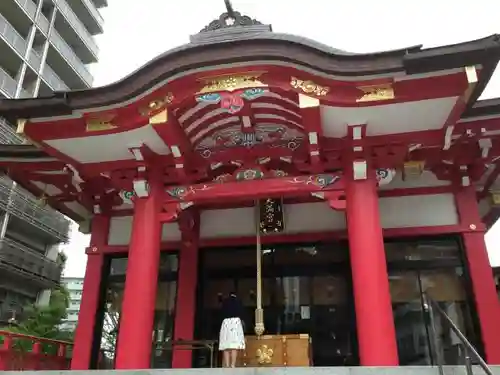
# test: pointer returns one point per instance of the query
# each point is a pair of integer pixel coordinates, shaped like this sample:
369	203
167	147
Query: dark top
232	308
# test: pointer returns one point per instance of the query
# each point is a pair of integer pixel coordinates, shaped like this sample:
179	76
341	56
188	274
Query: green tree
45	321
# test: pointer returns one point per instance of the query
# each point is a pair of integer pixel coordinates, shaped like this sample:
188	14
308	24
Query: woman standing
231	338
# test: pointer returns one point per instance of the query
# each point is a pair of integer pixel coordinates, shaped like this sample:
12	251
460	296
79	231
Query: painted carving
127	196
385	175
249	174
321	180
376	93
309	87
264	355
233	136
232	102
182	192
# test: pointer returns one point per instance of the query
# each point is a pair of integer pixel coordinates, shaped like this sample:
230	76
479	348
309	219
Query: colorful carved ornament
232	102
385	175
127	196
249	174
321	180
233	136
183	192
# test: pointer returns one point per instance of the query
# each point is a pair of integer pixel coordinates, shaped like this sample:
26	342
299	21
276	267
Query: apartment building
45	46
75	287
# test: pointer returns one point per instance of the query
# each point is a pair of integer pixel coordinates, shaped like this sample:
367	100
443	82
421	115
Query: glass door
306	290
409	318
434	266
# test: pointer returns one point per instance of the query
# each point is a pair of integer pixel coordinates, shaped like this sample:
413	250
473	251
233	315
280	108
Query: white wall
395	212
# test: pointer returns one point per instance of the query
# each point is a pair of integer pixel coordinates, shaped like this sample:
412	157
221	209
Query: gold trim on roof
376	93
159	118
21	123
231	82
309	87
102	123
157	104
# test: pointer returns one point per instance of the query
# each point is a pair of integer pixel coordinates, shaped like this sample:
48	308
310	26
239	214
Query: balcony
7	135
80	33
25	207
85	79
100	3
88	14
21	259
53	80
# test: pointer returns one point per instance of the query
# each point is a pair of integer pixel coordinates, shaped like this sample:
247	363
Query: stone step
406	370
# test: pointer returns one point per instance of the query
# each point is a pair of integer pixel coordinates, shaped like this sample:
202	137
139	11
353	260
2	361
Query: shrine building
337	193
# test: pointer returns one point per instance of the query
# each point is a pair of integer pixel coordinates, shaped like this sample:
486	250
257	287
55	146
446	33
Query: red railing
24	352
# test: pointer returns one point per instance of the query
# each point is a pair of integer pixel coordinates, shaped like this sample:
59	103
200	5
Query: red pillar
375	322
90	294
186	303
481	273
139	299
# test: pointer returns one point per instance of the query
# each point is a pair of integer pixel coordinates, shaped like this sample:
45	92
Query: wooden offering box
276	351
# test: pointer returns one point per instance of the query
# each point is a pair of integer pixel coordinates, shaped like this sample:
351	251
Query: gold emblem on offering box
376	93
102	123
264	355
309	87
231	82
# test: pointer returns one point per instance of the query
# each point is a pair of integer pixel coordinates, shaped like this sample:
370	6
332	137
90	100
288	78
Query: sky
137	31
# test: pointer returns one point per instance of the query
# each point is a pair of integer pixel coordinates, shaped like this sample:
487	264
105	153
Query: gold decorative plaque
376	93
231	83
309	87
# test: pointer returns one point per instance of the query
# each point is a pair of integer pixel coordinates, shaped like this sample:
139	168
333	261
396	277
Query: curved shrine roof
239	92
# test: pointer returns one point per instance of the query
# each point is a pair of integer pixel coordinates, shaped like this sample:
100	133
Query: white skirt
231	335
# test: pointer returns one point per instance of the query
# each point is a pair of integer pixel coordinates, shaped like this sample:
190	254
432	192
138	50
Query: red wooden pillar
375	322
186	289
90	294
480	271
139	299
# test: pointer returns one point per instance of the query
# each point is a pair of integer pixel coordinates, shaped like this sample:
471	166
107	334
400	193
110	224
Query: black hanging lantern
271	219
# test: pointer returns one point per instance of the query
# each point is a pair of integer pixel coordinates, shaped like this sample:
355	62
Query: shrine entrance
306	289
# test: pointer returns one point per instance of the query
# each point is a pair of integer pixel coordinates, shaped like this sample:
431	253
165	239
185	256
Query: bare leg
225	358
234	357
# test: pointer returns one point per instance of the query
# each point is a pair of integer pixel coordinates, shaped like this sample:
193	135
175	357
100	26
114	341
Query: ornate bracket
336	199
170	212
